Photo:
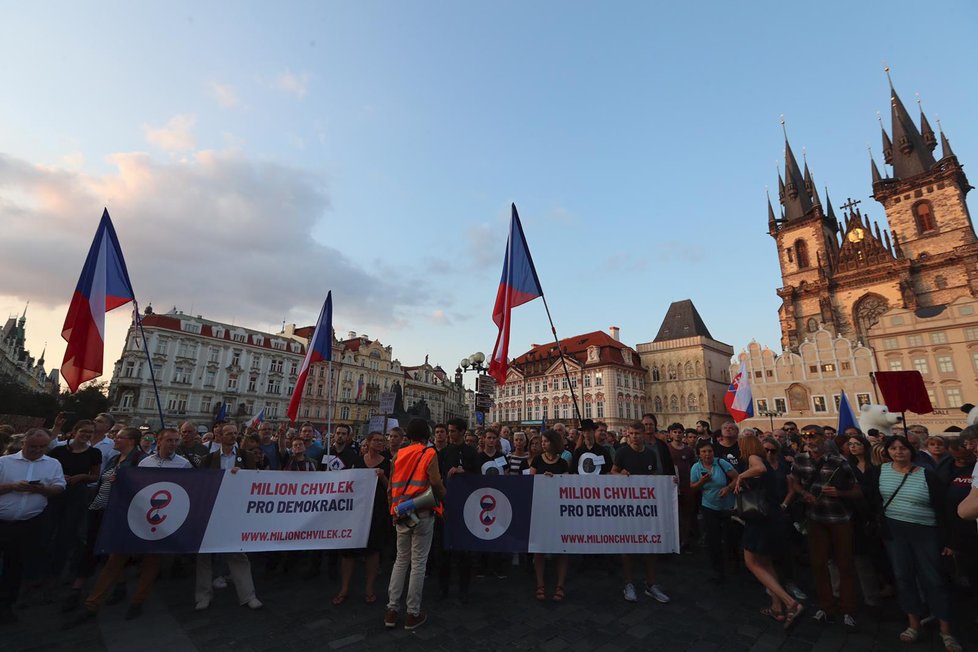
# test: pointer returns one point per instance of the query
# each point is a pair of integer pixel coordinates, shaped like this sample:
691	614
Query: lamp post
771	414
476	363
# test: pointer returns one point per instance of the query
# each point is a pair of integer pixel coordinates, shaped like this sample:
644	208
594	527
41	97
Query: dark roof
682	320
910	155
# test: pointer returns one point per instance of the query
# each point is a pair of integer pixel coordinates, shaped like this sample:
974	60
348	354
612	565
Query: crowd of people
872	516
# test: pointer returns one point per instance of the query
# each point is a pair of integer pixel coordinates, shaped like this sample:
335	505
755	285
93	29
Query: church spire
772	222
828	202
945	144
877	177
925	129
910	155
797	201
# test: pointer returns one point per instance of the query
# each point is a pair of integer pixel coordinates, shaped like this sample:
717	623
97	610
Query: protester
535	446
297	460
650	426
380	524
714	478
395	439
519	459
933	456
639	459
80	463
683	458
189	447
912	501
824	480
590	457
457	457
762	534
104	422
784	555
28	479
963	534
415	470
867	545
548	464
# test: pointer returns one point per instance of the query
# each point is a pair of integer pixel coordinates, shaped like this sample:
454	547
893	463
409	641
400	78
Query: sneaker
821	617
849	622
413	622
202	605
795	592
655	591
390	619
629	593
220	583
254	603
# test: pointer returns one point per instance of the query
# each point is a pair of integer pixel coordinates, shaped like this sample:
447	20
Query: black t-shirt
585	461
492	465
643	462
454	455
340	460
557	468
729	454
76	463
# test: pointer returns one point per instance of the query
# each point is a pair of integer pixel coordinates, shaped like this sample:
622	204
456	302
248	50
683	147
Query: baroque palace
856	298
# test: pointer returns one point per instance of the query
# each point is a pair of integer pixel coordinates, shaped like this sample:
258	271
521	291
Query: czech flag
257	420
519	284
738	399
103	286
320	349
847	417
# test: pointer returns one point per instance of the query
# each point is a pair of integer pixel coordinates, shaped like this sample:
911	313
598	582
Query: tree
88	401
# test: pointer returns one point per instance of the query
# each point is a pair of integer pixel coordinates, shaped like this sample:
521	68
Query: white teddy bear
972	413
878	417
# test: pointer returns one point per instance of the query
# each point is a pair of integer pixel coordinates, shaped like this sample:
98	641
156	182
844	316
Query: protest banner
186	511
593	514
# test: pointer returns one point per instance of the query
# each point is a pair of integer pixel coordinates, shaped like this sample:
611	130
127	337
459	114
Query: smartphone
34	482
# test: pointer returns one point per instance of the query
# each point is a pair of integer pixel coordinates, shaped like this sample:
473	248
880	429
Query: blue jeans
915	553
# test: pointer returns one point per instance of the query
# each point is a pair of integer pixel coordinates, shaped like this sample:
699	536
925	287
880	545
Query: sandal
950	643
339	599
559	594
909	635
776	616
541	593
370	598
792	615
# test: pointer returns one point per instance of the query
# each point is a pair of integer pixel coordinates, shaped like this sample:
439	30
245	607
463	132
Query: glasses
855	443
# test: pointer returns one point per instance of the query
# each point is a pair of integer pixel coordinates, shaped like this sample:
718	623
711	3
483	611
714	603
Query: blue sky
254	156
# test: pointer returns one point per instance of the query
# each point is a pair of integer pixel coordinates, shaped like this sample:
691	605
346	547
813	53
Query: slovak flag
519	284
320	349
257	419
738	399
103	286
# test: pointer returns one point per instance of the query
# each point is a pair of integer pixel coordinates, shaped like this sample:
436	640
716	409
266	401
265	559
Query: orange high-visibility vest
409	477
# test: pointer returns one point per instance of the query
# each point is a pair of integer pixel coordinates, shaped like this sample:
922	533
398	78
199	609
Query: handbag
752	504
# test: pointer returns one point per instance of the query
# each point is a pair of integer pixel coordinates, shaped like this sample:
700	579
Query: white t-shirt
154	461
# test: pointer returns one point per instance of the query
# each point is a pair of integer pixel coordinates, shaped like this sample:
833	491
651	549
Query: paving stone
345	641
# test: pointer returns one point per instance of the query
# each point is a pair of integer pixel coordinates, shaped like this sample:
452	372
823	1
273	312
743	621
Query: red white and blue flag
738	399
320	349
519	284
256	420
847	417
103	286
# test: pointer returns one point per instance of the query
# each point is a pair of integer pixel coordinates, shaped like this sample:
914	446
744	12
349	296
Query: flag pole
563	361
329	404
149	360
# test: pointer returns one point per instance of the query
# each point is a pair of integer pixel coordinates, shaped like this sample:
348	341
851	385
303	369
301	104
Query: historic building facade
850	287
18	365
687	369
607	377
429	392
805	385
199	365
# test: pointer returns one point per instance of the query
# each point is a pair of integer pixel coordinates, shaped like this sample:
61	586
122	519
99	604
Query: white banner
595	514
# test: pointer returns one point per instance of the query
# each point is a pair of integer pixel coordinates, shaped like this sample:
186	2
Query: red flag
904	391
519	284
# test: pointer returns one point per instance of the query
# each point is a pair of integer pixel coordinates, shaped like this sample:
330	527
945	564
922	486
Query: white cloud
229	234
175	136
290	82
224	94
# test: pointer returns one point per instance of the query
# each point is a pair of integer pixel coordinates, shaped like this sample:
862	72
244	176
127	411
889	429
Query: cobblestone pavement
500	614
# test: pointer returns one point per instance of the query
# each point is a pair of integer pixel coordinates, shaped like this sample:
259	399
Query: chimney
352	335
615	333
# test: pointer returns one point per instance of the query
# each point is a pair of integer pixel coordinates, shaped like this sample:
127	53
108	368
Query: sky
255	155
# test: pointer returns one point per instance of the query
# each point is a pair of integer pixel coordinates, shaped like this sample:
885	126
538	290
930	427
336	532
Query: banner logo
590	463
158	511
332	463
487	513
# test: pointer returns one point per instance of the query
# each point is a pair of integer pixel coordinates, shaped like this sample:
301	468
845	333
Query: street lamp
771	414
475	361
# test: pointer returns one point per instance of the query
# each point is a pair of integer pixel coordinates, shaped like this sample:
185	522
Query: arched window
672	372
688	370
812	325
655	374
658	404
674	403
868	311
691	402
801	253
940	282
923	215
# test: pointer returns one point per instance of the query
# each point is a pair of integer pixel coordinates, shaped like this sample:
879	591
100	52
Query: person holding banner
415	472
456	457
492	461
638	459
549	463
590	457
229	458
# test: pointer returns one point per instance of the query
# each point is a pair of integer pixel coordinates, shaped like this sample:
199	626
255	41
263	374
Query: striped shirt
912	502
